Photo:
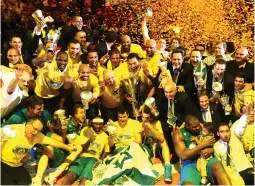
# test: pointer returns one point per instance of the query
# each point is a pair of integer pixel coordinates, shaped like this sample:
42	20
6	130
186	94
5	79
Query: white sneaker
37	180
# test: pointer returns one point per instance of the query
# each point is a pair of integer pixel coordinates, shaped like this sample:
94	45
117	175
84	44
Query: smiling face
33	127
84	72
204	102
239	83
16	43
77	22
170	91
219	70
133	64
241	55
92	59
62	60
195	58
23	81
13	56
74	49
193	126
81	37
177	60
36	111
115	60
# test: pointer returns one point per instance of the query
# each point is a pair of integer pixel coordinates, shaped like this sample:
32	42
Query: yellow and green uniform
84	164
15	149
134	48
90	85
126	134
49	80
152	62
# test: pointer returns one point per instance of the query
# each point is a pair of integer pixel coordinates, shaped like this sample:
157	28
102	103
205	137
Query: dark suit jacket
68	33
216	113
27	51
227	81
233	69
182	106
185	77
101	49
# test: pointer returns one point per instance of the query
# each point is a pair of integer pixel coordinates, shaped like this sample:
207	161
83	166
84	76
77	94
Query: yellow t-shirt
126	135
97	147
49	81
15	149
152	62
134	48
145	84
242	99
90	85
72	66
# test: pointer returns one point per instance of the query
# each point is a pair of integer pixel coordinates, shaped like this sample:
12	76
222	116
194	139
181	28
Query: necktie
204	114
176	73
228	155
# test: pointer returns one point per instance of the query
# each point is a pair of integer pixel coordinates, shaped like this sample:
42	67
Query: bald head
13	56
109	78
241	55
150	47
125	43
169	90
84	72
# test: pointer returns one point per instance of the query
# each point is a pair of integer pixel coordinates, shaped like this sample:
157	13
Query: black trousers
109	113
248	176
14	175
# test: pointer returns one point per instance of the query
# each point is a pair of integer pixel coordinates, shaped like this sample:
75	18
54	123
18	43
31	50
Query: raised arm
145	31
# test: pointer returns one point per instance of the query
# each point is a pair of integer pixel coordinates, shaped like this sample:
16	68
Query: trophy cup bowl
148	12
112	129
150	102
8	132
198	75
38	16
60	115
217	86
71	137
85	97
224	100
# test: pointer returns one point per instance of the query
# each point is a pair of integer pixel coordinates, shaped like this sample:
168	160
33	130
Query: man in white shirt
230	151
14	88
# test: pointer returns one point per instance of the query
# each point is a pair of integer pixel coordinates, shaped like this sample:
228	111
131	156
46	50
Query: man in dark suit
68	33
218	74
182	73
104	47
240	64
26	50
209	112
170	104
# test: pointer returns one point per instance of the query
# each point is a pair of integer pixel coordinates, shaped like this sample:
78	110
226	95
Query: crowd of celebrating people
79	93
